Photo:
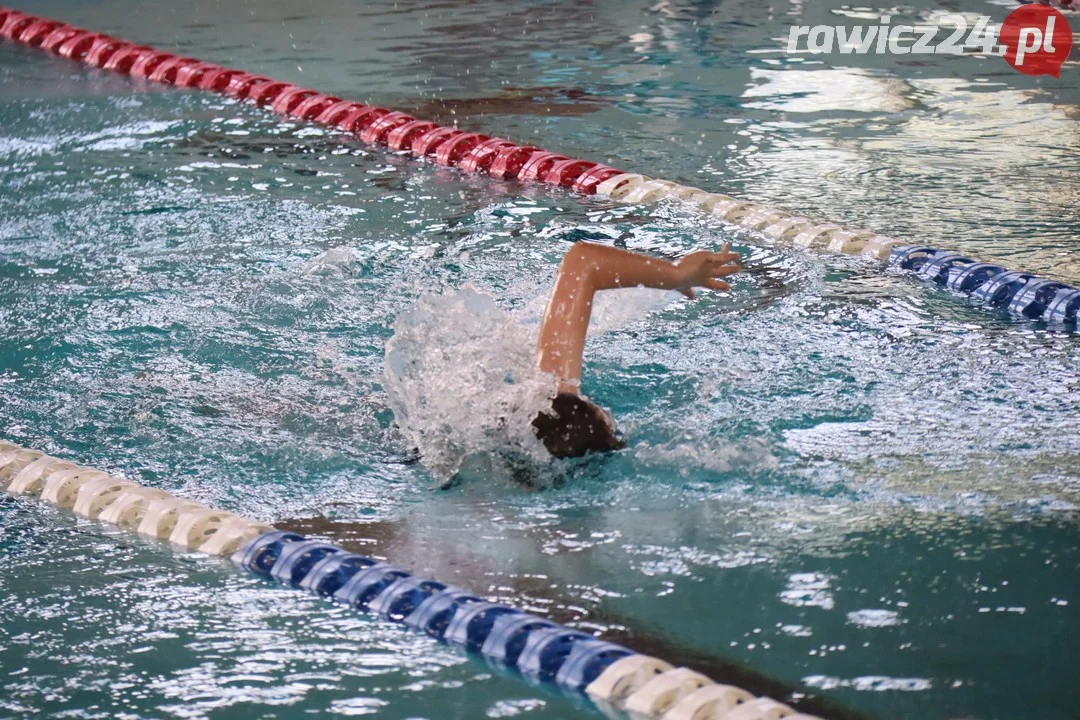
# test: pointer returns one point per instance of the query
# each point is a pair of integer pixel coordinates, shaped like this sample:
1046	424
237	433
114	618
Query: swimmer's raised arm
587	268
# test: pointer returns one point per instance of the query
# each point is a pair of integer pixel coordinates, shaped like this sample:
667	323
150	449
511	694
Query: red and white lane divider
398	131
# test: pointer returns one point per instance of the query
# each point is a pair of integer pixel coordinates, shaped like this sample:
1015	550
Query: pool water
838	481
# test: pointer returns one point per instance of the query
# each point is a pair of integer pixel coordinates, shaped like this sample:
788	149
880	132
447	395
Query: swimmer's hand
703	268
587	268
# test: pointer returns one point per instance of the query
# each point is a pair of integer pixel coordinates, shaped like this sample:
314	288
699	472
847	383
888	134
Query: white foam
461	378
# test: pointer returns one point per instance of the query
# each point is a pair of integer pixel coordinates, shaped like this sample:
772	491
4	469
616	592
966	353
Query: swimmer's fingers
702	268
721	259
724	270
726	255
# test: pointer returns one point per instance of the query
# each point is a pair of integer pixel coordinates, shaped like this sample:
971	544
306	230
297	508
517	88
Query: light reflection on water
110	627
859	486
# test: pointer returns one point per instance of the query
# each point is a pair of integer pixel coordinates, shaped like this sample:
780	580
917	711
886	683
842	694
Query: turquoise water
851	484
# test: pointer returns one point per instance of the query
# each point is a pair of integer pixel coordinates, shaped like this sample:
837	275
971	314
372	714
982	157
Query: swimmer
575	425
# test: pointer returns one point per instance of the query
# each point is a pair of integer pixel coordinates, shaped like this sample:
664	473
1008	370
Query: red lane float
167	71
566	172
58	37
455	148
76	47
402	137
508	163
242	82
125	57
332	114
587	182
145	66
313	106
15	23
218	79
470	152
289	99
376	132
429	142
539	164
101	50
263	93
356	121
479	159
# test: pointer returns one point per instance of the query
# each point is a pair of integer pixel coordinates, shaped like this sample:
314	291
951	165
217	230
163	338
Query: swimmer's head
575	426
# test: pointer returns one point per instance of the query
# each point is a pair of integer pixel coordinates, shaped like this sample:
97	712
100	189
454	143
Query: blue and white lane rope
1022	294
993	286
619	681
477	153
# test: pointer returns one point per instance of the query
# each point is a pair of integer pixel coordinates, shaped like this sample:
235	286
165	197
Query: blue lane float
261	554
401	599
474	153
968	277
332	572
436	613
368	584
472	626
1021	294
1037	298
507	638
297	560
588	661
613	677
547	650
536	647
1064	308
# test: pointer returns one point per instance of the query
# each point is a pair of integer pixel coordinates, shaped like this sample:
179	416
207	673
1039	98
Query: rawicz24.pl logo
1034	39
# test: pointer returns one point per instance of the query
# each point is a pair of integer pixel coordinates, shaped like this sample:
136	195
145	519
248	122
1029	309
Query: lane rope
619	681
1022	294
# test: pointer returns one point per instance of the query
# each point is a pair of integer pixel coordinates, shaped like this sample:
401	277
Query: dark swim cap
575	426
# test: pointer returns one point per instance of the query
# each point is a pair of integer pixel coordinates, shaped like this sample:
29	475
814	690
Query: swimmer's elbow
579	258
580	252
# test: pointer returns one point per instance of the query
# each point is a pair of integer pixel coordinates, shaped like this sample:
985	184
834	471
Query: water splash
462	380
337	259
